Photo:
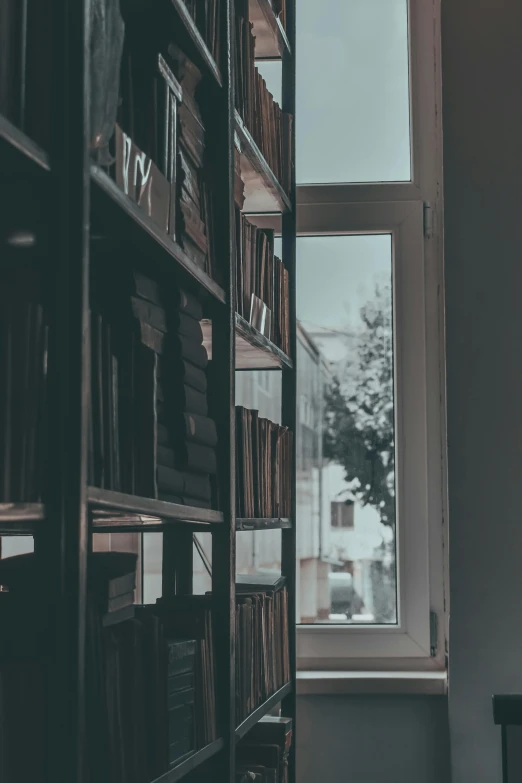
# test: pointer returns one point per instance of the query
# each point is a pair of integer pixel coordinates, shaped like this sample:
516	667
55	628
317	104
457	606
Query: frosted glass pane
352	121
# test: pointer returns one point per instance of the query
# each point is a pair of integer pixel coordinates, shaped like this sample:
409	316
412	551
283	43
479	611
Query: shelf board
117	212
186	766
192	30
271	39
18	519
263	193
253	350
256	523
117	511
18	153
256	716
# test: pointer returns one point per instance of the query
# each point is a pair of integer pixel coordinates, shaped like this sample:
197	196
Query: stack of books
206	15
112	582
260	273
150	430
190	617
194	217
23	380
263	754
181	700
264	449
262	651
159	144
270	127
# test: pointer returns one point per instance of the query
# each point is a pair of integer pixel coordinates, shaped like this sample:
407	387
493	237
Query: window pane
352	91
345	438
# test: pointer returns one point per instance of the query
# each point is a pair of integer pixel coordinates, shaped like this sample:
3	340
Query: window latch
434	633
428	220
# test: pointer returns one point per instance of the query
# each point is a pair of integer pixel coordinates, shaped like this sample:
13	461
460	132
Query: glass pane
152	561
352	91
345	439
16	545
272	71
258	552
202	559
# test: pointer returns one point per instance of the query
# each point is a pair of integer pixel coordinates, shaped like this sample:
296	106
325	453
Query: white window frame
400	209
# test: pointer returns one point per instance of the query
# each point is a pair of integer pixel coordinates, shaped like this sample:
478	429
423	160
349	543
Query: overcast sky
352	125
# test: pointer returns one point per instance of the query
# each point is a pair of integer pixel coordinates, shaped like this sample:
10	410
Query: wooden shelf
18	153
117	511
263	193
271	40
256	523
116	213
186	766
256	716
21	512
256	352
253	350
18	519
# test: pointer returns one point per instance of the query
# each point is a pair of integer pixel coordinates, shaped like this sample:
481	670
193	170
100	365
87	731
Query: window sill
336	683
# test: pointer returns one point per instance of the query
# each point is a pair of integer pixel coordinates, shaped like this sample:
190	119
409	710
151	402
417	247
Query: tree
359	409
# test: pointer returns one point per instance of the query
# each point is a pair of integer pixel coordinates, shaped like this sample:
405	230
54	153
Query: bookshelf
89	240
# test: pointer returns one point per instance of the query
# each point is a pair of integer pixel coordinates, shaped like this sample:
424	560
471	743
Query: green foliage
359	431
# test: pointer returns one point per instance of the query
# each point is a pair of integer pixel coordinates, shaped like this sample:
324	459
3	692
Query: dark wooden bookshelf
258	523
271	39
123	218
173	14
20	155
84	209
263	192
263	709
190	26
192	762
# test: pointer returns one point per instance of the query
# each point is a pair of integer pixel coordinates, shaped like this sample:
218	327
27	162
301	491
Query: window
370	441
341	514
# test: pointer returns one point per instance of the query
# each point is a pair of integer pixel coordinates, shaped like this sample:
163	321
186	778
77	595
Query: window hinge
434	633
428	220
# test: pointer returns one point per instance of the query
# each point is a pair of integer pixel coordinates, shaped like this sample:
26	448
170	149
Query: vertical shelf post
289	412
223	361
64	545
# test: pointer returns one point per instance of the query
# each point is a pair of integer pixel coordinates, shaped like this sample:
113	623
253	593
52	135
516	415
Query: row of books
206	15
260	273
262	755
150	431
264	454
262	652
195	206
271	128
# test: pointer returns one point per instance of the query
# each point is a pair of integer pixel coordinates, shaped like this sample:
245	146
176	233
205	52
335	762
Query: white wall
482	115
372	739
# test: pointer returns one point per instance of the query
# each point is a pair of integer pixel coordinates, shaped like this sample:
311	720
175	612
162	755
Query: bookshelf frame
83	204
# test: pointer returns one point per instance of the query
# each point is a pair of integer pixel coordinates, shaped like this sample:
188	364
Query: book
264	483
270	127
261	274
190	617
